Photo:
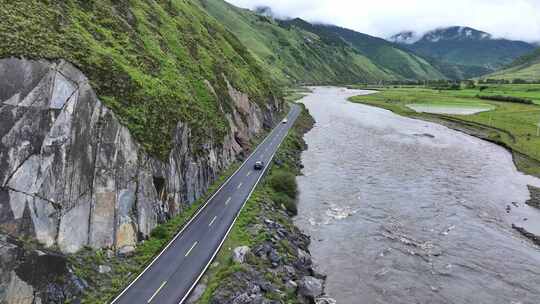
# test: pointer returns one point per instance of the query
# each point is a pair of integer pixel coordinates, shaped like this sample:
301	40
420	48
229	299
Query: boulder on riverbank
310	287
239	254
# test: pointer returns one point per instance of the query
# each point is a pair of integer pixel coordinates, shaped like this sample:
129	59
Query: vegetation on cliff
150	61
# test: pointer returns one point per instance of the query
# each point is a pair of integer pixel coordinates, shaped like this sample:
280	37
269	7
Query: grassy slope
510	124
457	71
526	67
147	59
294	54
486	53
387	55
464	59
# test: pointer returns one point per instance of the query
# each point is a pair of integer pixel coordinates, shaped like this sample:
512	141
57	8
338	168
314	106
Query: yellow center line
157	291
239	186
228	201
213	220
190	249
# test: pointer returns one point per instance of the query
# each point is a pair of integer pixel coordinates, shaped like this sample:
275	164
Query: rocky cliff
71	175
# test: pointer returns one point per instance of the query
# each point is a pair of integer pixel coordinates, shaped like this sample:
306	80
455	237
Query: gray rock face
71	175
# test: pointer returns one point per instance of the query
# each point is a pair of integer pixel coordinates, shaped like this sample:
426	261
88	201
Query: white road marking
239	186
157	291
190	249
249	173
228	201
213	220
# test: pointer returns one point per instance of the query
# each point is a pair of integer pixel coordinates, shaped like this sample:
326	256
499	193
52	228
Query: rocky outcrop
32	276
71	175
239	254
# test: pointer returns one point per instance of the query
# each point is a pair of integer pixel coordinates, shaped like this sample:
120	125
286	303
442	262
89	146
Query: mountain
298	51
526	67
388	56
464	50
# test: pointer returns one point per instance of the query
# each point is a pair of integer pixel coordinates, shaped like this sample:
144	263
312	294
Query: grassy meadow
513	125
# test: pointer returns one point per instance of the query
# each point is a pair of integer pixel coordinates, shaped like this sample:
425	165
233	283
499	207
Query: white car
285	121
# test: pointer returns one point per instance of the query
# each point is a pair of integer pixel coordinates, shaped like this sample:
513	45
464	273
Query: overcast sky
513	19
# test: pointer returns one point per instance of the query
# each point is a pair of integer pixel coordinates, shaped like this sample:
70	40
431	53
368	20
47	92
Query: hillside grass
294	55
527	72
513	125
390	57
148	60
526	67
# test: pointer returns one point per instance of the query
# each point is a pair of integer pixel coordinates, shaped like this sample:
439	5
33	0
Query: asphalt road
172	275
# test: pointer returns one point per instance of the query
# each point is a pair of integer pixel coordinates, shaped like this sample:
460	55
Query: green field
513	125
528	91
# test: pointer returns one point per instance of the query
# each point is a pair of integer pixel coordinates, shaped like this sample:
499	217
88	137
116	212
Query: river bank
402	210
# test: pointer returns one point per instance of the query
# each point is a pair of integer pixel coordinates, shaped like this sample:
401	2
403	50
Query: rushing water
406	211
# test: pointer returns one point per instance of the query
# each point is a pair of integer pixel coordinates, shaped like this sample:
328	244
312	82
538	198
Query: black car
258	165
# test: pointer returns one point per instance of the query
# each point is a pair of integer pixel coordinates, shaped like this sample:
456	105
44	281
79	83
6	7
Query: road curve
176	270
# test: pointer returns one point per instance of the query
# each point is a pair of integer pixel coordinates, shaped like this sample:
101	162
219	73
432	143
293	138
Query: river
407	211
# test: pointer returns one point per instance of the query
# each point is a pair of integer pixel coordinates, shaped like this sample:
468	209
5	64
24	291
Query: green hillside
298	51
463	52
293	54
147	59
526	67
384	54
458	71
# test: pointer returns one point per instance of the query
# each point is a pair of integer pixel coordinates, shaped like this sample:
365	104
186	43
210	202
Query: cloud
512	19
